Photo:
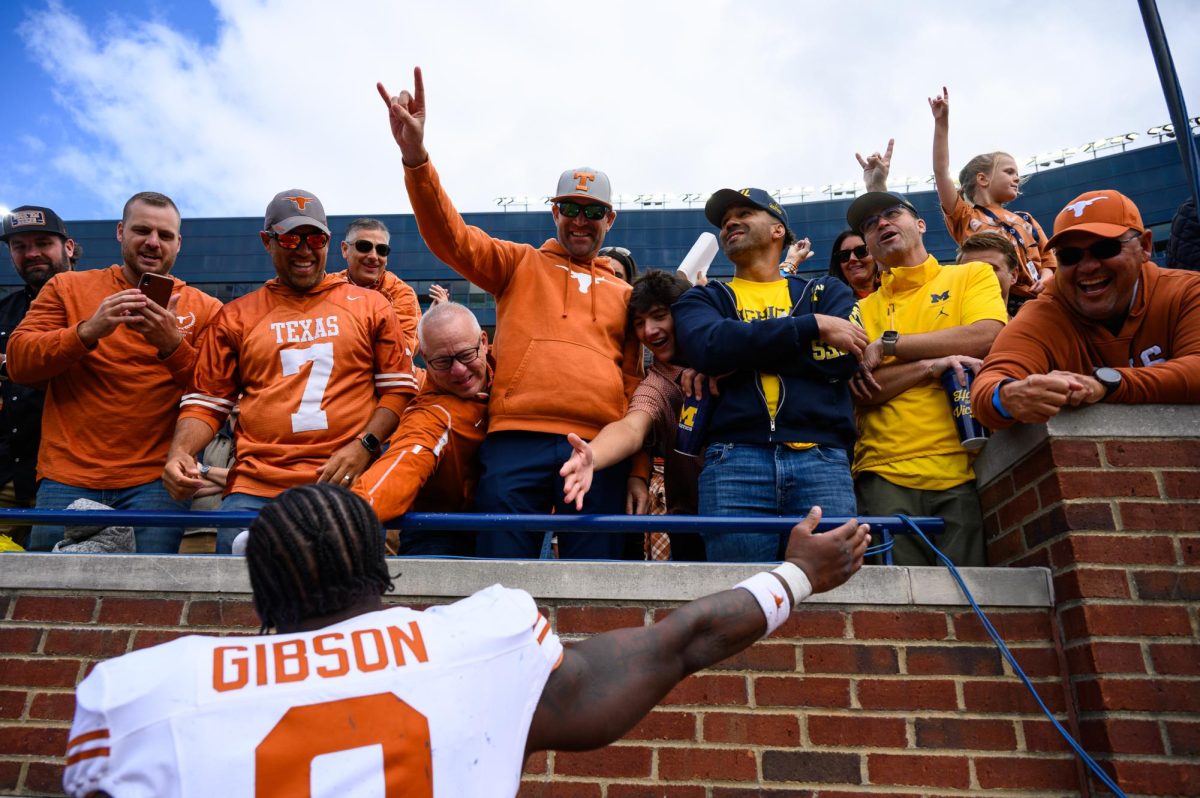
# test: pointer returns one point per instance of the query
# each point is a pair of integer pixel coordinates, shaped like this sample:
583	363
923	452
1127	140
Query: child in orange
989	181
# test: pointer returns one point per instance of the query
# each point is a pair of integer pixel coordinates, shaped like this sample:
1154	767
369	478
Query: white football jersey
387	704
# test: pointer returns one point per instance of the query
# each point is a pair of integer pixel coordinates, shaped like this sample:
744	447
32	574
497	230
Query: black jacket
1183	247
814	401
21	414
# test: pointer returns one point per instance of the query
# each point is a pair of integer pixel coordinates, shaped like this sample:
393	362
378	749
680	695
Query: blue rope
1008	656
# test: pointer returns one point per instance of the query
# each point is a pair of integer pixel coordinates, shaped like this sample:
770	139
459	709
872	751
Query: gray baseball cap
293	208
584	183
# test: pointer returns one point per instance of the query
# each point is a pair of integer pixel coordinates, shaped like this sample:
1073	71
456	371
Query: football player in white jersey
352	698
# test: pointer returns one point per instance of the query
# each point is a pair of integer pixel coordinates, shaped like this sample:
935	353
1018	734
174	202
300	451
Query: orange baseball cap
1105	213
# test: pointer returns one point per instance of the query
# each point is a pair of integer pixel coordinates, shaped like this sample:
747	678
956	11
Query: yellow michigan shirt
911	440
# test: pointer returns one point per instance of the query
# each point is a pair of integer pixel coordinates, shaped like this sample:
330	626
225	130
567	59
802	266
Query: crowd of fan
837	392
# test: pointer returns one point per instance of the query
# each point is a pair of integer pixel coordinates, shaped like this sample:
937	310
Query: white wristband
797	581
771	596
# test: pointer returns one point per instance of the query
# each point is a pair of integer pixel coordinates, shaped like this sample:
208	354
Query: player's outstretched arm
607	683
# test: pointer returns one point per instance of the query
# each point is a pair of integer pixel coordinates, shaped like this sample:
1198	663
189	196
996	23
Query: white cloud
678	96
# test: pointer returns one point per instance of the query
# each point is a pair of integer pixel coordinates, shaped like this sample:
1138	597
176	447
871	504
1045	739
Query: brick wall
1110	502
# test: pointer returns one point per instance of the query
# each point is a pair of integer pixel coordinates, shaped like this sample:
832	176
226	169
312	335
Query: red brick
1027	772
537	763
222	612
655	791
34	740
997	492
10	774
614	761
991	527
1039	558
812	766
1081	515
19	639
1153	454
919	769
1114	549
1034	467
1018	508
1103	657
1099	484
920	694
761	657
44	778
1075	453
834	658
1159	516
808	624
1042	737
559	789
1167	585
1010	696
659	725
1050	491
53	706
800	691
965	734
1121	620
144	638
39	672
1002	550
1190	546
1183	737
1037	662
59	609
141	612
1021	625
1145	695
1128	737
1181	484
723	764
1078	583
781	731
103	643
12	703
1157	778
953	660
1175	659
875	625
707	689
857	730
592	620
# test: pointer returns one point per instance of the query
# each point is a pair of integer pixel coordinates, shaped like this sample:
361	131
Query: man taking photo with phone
115	365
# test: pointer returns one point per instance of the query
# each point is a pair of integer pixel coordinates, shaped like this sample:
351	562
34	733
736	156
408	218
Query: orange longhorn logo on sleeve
583	177
778	600
300	202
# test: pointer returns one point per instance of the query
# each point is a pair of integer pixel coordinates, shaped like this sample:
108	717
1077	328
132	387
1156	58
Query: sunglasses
364	246
1100	250
466	357
292	240
859	252
618	250
573	209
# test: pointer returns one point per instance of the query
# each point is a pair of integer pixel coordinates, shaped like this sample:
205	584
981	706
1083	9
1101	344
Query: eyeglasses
859	252
573	209
890	214
364	246
1100	250
444	363
292	240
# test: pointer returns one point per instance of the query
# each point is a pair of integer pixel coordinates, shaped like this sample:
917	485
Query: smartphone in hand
157	288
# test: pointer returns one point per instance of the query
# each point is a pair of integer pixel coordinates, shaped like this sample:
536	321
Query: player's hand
406	112
159	326
830	558
637	496
181	476
936	367
841	334
120	308
438	295
797	253
1039	397
940	106
876	167
346	465
577	471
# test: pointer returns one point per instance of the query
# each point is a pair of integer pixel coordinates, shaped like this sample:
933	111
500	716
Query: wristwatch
889	339
370	443
204	468
1108	377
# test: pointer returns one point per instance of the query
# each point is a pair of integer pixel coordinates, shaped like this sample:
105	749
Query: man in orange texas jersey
351	698
432	462
114	364
319	365
365	250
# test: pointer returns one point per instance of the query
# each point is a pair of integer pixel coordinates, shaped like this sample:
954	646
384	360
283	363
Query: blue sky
221	104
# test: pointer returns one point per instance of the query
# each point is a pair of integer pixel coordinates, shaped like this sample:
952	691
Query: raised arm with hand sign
407	115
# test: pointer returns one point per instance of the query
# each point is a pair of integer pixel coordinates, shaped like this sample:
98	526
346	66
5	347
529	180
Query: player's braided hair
314	550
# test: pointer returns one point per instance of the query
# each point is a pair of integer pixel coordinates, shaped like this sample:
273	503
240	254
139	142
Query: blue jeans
236	502
53	495
748	479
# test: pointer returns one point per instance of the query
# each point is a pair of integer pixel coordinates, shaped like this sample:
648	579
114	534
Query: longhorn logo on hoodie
585	279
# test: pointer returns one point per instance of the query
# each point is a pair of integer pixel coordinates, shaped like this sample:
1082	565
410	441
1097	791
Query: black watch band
1110	378
370	443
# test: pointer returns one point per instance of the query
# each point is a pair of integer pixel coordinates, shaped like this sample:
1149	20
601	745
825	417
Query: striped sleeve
88	748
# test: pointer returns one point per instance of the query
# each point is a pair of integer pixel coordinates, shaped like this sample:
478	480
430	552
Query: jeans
53	495
231	503
749	479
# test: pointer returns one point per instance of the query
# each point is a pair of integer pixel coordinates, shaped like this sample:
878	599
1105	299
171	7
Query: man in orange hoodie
565	358
1111	327
318	363
114	364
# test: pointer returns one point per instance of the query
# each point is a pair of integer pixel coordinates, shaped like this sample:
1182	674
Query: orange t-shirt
968	219
110	411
